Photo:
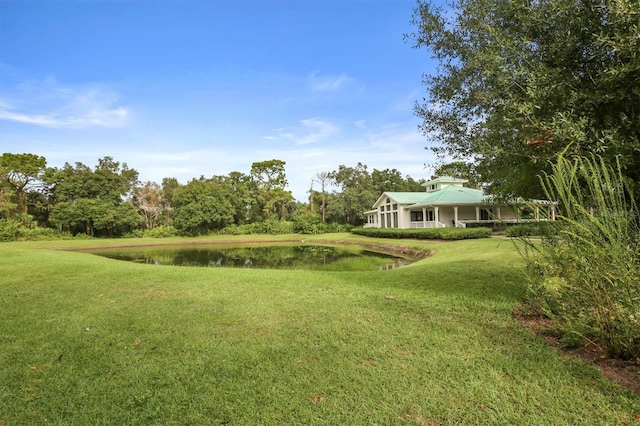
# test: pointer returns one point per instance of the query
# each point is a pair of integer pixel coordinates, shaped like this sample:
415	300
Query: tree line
109	200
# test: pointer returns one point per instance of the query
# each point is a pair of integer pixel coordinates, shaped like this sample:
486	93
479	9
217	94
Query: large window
416	216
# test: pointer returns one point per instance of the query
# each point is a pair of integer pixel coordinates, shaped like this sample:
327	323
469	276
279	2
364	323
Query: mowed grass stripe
88	340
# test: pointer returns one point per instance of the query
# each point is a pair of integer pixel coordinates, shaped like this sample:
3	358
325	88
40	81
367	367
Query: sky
190	88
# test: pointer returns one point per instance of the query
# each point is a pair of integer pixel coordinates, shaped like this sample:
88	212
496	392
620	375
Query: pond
261	256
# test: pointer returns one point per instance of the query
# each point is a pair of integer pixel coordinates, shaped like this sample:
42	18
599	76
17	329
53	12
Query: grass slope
88	340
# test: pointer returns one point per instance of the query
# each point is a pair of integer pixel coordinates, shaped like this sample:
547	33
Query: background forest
109	200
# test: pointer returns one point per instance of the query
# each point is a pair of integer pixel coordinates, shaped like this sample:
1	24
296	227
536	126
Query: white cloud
309	131
54	105
329	83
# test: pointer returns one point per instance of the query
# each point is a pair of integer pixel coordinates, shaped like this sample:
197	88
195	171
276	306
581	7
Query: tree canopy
521	81
19	172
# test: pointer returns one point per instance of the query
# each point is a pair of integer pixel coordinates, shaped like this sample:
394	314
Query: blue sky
184	88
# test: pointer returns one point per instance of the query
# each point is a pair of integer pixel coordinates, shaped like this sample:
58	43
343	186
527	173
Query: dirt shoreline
624	372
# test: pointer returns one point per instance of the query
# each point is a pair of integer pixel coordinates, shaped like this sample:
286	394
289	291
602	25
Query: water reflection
259	256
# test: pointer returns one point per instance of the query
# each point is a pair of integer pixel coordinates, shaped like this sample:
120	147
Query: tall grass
587	276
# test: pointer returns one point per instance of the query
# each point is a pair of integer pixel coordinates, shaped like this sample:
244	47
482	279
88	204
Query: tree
21	172
269	183
149	200
392	180
109	181
202	206
93	199
239	185
324	179
357	193
519	82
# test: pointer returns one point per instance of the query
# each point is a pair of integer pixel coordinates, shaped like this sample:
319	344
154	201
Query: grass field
88	340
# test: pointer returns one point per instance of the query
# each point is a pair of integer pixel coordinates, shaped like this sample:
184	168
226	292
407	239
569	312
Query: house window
395	219
394	207
416	216
431	216
381	208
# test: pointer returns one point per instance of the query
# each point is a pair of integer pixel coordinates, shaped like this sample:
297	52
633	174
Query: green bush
14	230
161	231
425	234
534	229
587	276
9	230
38	234
271	227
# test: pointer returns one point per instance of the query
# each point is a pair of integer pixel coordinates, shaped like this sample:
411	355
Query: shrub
534	229
271	227
161	231
587	276
425	234
9	230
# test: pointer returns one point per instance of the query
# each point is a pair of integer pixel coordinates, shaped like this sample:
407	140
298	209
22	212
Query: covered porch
460	216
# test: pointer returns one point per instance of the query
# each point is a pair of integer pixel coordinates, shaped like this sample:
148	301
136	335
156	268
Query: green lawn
88	340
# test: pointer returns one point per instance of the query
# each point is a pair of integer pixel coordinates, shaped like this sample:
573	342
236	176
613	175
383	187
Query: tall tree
270	181
202	205
357	193
149	200
521	81
324	179
20	172
93	199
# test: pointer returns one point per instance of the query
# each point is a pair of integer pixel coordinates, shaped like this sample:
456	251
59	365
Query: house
447	203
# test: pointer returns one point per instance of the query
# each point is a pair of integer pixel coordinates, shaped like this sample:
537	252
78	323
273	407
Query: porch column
498	213
553	212
537	216
455	216
436	214
477	214
424	217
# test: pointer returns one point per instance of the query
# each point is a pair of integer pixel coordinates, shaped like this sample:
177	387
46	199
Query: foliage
108	181
161	231
357	194
93	215
269	196
425	234
92	201
538	229
269	227
19	172
518	82
202	206
9	229
150	203
587	277
307	222
16	230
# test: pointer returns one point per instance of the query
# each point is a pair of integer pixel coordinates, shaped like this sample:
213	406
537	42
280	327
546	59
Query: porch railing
430	224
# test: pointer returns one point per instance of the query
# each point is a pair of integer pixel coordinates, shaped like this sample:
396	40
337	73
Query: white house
447	202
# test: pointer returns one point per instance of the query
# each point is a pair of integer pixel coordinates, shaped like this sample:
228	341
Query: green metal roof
449	195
